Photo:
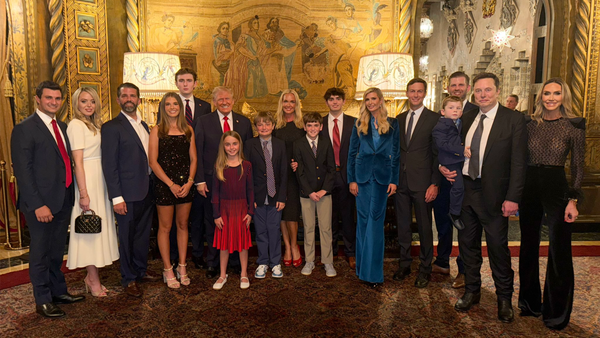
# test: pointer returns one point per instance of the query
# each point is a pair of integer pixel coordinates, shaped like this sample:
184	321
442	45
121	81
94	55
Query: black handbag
88	224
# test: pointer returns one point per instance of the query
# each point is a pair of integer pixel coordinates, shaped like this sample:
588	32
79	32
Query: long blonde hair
93	122
566	108
280	115
364	116
221	163
165	120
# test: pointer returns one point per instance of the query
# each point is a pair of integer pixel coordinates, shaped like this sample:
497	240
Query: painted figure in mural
341	44
222	51
277	65
277	36
379	39
245	75
165	37
351	23
314	54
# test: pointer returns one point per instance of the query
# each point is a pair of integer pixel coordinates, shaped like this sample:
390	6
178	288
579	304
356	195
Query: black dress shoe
49	310
133	290
458	224
422	280
401	274
466	302
211	272
528	313
199	262
505	311
67	299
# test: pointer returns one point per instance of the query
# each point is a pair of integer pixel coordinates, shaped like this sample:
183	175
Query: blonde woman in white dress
91	251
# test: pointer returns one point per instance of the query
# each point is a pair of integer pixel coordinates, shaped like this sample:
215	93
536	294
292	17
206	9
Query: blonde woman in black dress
289	127
172	155
548	198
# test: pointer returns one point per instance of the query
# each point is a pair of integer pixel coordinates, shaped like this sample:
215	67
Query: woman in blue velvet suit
373	161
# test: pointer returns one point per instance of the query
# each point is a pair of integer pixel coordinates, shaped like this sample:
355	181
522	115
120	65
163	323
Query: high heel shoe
287	262
183	279
88	289
172	283
297	262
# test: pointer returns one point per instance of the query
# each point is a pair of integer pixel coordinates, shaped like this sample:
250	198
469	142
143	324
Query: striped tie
188	112
270	173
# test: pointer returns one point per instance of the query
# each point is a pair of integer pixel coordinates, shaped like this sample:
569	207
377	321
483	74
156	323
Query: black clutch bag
88	224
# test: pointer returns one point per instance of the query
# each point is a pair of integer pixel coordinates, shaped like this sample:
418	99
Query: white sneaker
276	271
330	271
261	271
219	285
308	268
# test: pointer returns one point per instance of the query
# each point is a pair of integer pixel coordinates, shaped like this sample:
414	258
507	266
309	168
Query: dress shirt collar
229	116
45	118
310	141
491	114
417	112
137	120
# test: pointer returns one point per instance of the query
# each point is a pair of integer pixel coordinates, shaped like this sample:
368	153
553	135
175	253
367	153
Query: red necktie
336	142
188	112
63	153
226	127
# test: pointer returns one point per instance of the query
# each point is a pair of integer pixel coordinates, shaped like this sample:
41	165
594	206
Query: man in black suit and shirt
127	174
337	127
41	157
458	85
494	177
419	180
186	81
209	130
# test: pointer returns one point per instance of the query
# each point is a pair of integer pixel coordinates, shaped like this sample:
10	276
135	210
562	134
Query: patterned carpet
294	306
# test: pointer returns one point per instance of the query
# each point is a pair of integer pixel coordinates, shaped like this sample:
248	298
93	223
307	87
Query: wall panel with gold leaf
87	49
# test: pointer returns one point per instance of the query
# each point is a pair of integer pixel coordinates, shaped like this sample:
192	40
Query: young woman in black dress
548	198
172	156
289	127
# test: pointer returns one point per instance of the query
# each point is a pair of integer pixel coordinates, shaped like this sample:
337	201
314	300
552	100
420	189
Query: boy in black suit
316	167
450	151
269	163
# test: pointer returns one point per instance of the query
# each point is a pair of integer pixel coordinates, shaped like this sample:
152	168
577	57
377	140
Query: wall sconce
424	63
426	27
154	74
501	38
389	72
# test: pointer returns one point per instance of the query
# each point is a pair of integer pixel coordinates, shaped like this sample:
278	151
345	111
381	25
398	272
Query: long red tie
336	142
226	127
63	153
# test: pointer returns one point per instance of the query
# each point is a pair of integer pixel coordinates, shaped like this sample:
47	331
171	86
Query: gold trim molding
57	42
19	59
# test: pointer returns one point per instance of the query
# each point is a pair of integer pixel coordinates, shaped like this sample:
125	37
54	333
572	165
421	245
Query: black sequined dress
174	159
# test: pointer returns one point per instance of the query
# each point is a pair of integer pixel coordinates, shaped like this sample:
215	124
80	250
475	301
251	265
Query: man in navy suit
186	81
209	130
41	158
127	174
458	85
419	180
337	127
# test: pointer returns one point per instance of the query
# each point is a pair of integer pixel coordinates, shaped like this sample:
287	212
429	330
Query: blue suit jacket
449	142
382	162
124	160
38	165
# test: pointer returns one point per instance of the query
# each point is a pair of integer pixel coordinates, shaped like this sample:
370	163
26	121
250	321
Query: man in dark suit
127	174
41	157
458	85
337	127
186	81
494	177
209	130
419	180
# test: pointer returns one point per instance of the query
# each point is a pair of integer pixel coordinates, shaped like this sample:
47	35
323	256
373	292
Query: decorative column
580	55
57	42
133	27
402	42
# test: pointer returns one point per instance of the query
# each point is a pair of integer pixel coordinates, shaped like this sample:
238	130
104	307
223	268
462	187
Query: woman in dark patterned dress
554	131
289	128
172	155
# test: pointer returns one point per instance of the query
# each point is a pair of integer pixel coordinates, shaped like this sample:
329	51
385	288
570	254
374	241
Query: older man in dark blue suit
41	157
127	174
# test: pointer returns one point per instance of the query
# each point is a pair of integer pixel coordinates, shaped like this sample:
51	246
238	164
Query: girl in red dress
233	205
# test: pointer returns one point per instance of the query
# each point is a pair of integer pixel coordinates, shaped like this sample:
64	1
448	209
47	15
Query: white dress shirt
192	104
487	126
415	120
340	124
310	141
48	122
144	138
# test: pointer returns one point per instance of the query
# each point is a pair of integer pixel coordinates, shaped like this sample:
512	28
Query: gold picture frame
87	61
86	26
97	86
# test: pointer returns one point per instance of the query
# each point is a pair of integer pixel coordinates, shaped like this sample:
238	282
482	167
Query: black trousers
477	218
404	200
46	253
544	202
342	216
441	207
